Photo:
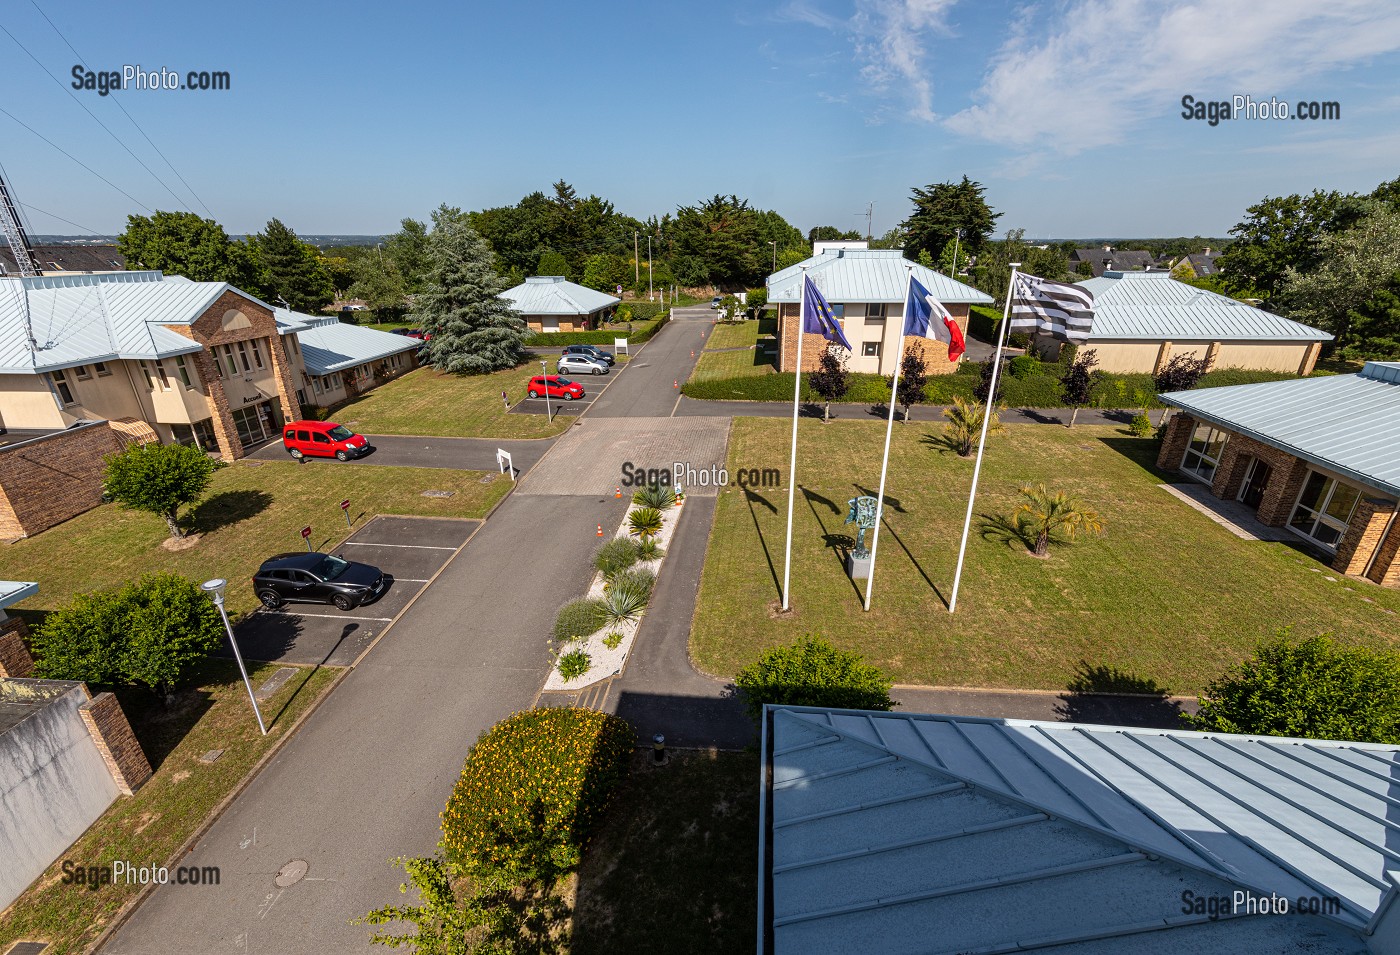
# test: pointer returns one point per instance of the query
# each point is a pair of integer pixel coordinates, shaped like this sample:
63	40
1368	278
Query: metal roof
1153	306
959	834
13	591
868	275
555	295
1349	424
334	346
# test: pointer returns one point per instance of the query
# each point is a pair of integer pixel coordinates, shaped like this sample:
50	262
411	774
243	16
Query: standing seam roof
868	275
1153	306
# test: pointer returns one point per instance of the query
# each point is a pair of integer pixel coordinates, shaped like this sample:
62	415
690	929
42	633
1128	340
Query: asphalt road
472	454
648	386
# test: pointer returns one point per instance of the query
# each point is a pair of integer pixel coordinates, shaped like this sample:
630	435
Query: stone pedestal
858	567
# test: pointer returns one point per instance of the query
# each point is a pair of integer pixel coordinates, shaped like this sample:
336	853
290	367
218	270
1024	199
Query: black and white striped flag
1064	312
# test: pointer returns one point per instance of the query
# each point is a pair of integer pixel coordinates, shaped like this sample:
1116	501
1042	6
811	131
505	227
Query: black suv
590	351
317	578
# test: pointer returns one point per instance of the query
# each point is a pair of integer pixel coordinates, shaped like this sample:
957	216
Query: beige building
551	303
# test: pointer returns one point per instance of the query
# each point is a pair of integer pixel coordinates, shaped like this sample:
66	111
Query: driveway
652	377
471	454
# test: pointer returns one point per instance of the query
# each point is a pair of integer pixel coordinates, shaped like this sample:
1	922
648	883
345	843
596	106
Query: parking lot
558	406
408	549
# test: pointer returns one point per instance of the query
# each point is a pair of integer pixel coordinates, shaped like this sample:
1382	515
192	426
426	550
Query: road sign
345	504
306	532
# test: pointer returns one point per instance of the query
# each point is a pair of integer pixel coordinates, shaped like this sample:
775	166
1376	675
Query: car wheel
568	396
342	456
342	602
270	599
295	453
534	393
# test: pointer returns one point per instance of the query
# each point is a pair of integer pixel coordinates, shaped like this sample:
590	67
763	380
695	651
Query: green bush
577	619
640	580
658	496
616	555
982	322
649	549
574	664
1023	366
532	790
1314	689
644	521
624	603
1141	425
613	640
811	672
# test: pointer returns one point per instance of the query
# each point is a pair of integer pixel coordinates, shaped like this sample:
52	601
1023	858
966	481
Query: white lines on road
410	580
409	546
328	616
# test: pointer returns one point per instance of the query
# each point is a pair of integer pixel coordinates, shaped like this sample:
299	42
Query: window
1324	509
243	357
60	382
229	362
164	378
257	354
870	350
183	370
316	384
101	368
83	373
838	311
218	365
875	311
1203	453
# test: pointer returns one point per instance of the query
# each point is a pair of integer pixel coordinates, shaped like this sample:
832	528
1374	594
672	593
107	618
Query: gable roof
1101	260
68	258
555	295
1349	424
329	345
1203	263
1012	835
1153	306
868	275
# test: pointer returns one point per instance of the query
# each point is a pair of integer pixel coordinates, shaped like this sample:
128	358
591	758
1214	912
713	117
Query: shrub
574	664
811	672
641	580
658	496
533	788
1314	689
158	478
623	603
1023	366
644	521
649	549
616	555
964	427
1141	425
613	640
577	619
1043	519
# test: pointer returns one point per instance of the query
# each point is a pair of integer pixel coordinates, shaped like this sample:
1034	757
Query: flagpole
796	397
889	427
982	441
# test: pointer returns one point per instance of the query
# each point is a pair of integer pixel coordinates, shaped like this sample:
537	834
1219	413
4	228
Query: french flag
926	317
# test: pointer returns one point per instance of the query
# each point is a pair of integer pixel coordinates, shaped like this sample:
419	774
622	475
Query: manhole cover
438	494
212	756
291	873
488	479
253	464
27	948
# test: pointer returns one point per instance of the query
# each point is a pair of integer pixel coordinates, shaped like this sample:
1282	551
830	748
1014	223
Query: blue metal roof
334	346
958	834
555	295
1153	306
1345	423
868	275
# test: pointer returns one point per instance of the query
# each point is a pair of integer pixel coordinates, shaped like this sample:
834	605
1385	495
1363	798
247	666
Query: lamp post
544	367
215	589
650	290
957	240
775	255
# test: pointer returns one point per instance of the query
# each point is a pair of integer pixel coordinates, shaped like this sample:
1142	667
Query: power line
76	225
76	159
99	122
118	102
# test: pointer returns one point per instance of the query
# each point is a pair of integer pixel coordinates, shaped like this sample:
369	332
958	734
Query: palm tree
1043	516
965	424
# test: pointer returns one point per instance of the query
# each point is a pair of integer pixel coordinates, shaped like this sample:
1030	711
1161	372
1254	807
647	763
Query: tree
812	672
1313	689
717	240
953	259
159	478
181	243
984	385
291	270
380	285
605	272
913	375
1182	373
940	209
830	378
1284	233
829	233
552	263
1353	266
1078	380
992	273
407	249
1054	517
473	329
964	427
1374	329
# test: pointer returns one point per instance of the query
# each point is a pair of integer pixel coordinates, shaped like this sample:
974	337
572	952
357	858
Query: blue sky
346	117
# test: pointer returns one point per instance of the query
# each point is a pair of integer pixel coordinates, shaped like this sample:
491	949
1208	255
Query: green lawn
743	335
428	402
147	828
729	365
1164	595
253	510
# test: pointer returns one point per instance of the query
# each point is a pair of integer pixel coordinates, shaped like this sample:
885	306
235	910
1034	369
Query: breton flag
817	316
926	317
1064	312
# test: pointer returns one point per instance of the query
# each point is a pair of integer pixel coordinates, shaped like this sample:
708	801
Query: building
866	289
551	303
1144	319
906	833
1198	264
60	259
1108	259
1319	456
339	361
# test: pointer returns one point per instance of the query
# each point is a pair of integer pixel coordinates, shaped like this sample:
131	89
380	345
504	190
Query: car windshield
563	382
330	568
340	433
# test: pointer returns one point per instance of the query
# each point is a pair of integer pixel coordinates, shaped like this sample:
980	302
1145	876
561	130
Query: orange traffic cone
600	530
617	490
692	353
676	383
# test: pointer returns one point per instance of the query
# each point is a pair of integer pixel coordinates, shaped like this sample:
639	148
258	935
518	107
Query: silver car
581	365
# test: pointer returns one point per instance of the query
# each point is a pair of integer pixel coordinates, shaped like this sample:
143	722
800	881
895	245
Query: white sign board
503	460
621	345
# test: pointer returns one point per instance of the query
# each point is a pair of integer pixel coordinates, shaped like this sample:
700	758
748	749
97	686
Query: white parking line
329	616
410	580
410	546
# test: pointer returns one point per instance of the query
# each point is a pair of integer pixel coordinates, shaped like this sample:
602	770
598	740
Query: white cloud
890	37
1095	70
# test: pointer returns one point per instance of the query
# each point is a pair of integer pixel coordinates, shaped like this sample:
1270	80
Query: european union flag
817	316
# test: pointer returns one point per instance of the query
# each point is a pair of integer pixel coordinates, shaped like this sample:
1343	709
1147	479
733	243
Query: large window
1324	509
1203	453
60	381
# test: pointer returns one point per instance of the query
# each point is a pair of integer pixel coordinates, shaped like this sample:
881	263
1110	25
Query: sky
347	117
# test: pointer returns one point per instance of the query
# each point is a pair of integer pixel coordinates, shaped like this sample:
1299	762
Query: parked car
356	308
323	439
317	578
592	351
714	302
554	386
582	365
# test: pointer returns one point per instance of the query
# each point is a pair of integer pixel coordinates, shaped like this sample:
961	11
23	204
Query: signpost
620	344
345	507
505	463
306	536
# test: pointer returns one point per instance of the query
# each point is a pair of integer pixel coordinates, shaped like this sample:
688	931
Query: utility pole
636	257
15	235
649	272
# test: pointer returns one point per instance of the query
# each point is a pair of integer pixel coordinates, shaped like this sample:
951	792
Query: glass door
1255	481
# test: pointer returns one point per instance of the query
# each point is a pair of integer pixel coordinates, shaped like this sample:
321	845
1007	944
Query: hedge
605	336
533	788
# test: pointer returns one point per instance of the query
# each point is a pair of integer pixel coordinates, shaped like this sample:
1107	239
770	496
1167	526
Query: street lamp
544	367
957	240
775	255
215	589
649	285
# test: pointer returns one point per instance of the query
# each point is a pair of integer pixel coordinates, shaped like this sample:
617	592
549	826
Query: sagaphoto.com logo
1243	106
134	77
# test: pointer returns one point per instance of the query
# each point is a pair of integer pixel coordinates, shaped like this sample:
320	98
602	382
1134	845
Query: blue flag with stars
817	316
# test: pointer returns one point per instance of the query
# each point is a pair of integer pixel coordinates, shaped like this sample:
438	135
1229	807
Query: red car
323	439
555	387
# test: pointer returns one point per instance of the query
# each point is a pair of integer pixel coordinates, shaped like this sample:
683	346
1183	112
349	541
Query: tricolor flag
926	317
817	316
1064	312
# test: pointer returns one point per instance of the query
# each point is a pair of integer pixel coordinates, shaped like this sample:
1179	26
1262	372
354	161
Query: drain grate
291	873
438	494
27	948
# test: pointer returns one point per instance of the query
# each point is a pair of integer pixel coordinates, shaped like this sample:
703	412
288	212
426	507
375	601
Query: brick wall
15	660
120	749
935	354
1174	444
48	480
1368	525
1285	482
1385	570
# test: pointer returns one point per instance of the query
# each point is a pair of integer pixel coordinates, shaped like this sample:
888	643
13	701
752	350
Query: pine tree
291	269
473	329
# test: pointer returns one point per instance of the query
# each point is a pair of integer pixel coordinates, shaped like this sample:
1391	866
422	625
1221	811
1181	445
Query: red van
323	439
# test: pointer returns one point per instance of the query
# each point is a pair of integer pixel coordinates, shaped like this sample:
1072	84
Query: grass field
428	402
253	510
743	335
147	828
1164	595
729	365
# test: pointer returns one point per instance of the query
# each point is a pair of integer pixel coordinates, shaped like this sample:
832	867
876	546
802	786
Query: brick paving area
588	460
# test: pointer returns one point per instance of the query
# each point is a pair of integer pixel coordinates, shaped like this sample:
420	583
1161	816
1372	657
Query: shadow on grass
749	498
1107	695
838	543
160	727
227	508
944	444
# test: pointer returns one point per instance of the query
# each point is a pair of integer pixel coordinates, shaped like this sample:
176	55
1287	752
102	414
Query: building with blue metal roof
1320	456
551	303
905	833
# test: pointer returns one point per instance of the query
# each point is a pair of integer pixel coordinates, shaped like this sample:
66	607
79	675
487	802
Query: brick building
1319	456
551	303
866	290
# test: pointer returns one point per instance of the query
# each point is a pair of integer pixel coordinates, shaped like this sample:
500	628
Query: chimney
1107	248
1207	252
